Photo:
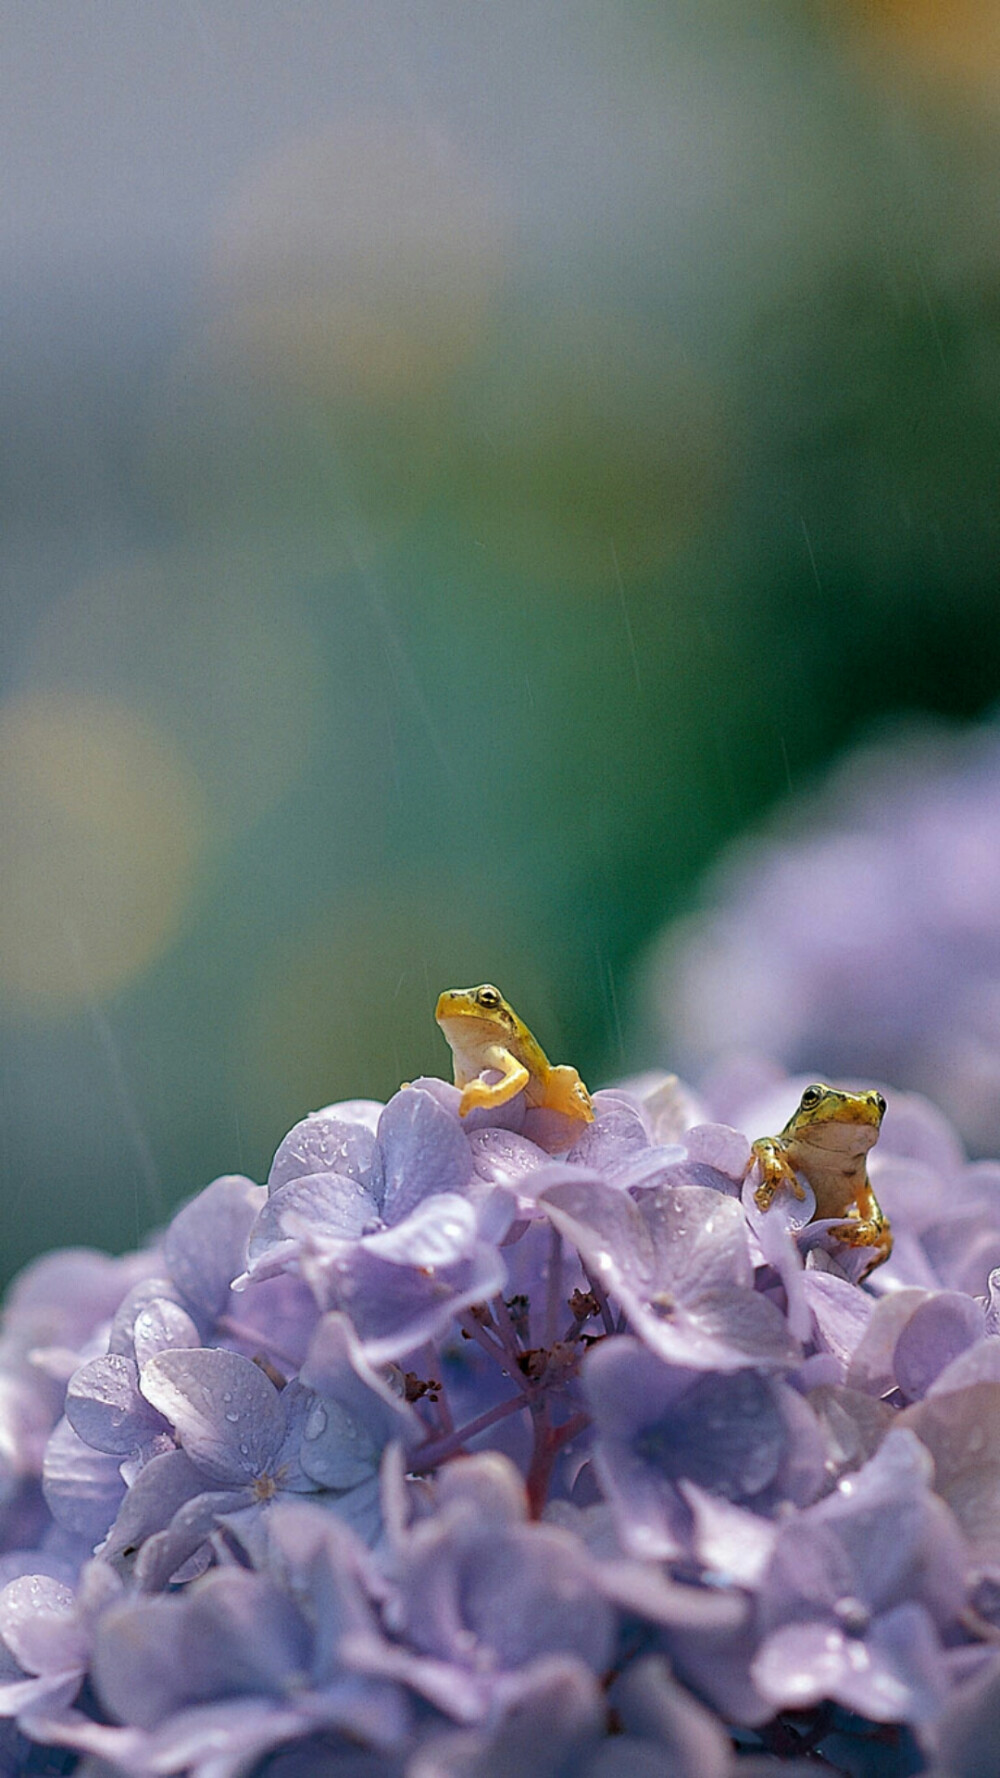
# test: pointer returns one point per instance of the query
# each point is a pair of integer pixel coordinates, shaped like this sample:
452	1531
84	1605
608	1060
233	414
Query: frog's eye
488	997
880	1102
812	1096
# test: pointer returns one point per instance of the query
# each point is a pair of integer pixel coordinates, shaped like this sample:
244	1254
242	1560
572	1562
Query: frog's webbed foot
776	1170
866	1231
490	1094
565	1092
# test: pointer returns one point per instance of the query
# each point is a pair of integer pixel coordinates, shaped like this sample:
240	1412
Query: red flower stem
543	1456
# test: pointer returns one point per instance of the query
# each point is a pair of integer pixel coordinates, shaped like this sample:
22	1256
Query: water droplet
232	1416
317	1422
227	1396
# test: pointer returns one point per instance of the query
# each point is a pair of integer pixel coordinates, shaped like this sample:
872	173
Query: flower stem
476	1332
438	1450
602	1299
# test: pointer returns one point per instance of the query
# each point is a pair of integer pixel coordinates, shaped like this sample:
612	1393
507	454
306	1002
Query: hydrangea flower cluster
487	1448
860	935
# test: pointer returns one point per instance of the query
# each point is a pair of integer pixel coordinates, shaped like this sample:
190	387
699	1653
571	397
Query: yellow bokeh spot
212	642
377	248
955	42
103	827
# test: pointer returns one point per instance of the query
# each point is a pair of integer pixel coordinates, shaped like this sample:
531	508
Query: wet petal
424	1152
225	1411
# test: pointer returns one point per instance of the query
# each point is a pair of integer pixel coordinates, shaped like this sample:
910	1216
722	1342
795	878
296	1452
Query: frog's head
832	1119
476	1012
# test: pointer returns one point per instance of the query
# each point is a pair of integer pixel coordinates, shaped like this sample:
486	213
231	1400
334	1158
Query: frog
486	1035
827	1140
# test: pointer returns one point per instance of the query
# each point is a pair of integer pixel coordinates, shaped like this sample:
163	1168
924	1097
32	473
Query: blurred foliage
456	469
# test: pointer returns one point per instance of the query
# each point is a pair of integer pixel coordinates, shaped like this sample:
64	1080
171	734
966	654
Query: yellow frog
485	1033
827	1141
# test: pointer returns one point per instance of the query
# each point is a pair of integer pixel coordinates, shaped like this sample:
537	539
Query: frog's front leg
775	1170
514	1076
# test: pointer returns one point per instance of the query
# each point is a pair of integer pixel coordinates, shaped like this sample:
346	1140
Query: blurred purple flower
860	935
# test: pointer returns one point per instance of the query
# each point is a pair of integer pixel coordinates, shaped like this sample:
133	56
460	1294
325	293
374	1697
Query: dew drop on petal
316	1424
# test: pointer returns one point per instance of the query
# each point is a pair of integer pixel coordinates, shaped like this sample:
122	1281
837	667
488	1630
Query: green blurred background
458	465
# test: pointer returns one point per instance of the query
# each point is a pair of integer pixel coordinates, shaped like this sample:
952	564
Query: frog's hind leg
870	1228
480	1092
565	1092
775	1170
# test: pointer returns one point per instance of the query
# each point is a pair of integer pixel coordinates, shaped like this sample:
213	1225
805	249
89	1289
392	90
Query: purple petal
668	1167
554	1131
719	1146
157	1493
225	1411
698	1239
627	1386
63	1297
733	1545
853	1425
530	1593
841	1313
424	1152
241	1633
26	1697
438	1232
547	1720
330	1203
164	1555
336	1368
396	1305
83	1488
645	1589
328	1143
893	1676
104	1406
725	1433
938	1330
685	1736
871	1365
159	1325
967	1734
239	1732
502	1157
40	1626
614	1137
354	1111
961	1430
121	1340
138	1660
979	1363
205	1245
721	1330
